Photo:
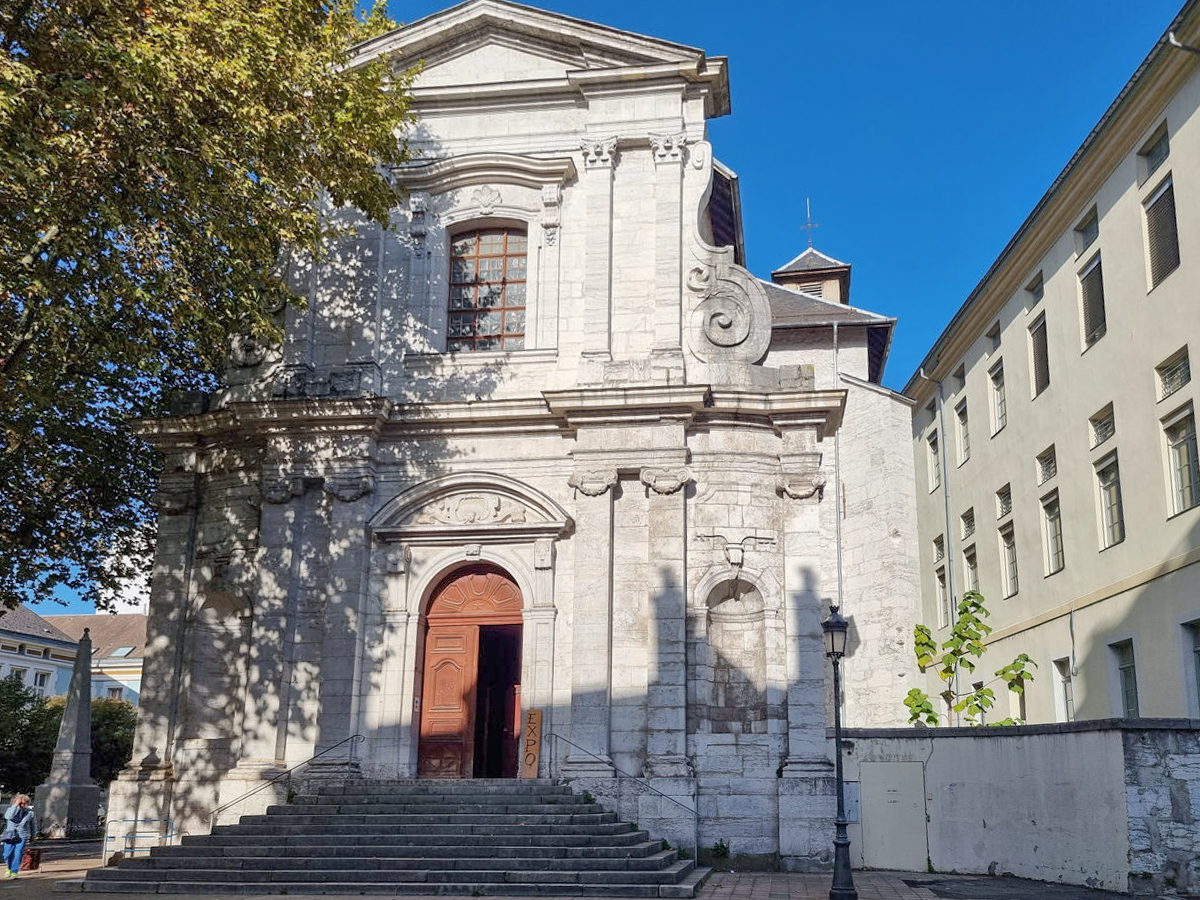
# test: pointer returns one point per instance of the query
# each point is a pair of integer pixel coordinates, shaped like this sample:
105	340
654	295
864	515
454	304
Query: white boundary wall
1111	804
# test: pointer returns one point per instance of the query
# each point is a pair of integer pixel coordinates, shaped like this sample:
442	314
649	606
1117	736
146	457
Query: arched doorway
471	690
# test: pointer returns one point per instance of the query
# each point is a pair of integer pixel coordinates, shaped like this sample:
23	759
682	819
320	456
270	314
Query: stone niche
728	667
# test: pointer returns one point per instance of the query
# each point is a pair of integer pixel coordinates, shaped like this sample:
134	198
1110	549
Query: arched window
487	290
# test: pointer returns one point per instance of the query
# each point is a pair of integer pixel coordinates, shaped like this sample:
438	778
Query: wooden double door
471	690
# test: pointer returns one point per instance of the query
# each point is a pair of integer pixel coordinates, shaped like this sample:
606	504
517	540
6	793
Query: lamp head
835	628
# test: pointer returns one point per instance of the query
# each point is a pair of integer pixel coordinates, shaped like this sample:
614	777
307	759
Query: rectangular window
41	681
1126	678
968	523
1091	287
1003	501
1181	458
1036	290
1193	634
964	433
1162	236
487	290
1008	559
1040	355
943	599
999	407
114	693
18	674
970	569
1047	465
1052	525
1112	515
1066	690
935	463
939	549
1173	374
1087	231
1103	426
993	337
1155	151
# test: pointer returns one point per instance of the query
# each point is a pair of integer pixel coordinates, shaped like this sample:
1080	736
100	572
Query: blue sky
924	133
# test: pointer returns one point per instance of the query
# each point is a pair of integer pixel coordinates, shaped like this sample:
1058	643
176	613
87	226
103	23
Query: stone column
668	151
599	156
591	669
66	803
807	788
341	643
666	742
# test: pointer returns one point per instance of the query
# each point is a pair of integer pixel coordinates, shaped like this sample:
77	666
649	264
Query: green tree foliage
29	730
156	159
955	660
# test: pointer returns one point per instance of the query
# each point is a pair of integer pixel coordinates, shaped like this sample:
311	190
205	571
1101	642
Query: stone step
423	837
394	807
670	874
433	799
493	786
481	847
327	828
405	805
159	862
347	819
630	891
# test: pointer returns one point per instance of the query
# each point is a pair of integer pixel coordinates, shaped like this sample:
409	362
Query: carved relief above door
469	702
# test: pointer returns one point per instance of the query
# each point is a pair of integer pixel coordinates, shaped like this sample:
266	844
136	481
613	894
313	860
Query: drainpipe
943	450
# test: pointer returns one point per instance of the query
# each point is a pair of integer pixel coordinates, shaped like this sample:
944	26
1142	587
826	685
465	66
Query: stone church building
545	444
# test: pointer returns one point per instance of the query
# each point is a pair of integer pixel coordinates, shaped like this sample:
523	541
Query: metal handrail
130	837
608	762
286	773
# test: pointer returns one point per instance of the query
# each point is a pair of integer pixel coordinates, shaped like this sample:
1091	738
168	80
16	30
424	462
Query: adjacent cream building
545	445
1054	423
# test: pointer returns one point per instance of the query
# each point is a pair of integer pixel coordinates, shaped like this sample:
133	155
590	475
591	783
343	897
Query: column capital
802	485
668	147
599	152
593	482
666	481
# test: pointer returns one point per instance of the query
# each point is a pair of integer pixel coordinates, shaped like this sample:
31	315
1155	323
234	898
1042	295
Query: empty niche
214	698
729	665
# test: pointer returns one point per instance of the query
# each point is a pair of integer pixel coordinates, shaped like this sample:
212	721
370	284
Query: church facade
545	444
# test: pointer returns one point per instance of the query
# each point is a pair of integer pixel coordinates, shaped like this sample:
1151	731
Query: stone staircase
497	837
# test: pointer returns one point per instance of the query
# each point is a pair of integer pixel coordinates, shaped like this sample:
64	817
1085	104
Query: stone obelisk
66	804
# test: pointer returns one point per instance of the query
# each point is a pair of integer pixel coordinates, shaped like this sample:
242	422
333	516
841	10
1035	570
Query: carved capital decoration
349	487
418	209
487	198
551	212
398	559
802	485
665	481
668	147
473	509
543	554
593	482
174	502
281	488
246	351
598	152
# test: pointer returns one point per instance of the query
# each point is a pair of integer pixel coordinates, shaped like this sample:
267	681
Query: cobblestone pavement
71	862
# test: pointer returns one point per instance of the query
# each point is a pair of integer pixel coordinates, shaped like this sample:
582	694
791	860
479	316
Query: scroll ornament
665	481
594	482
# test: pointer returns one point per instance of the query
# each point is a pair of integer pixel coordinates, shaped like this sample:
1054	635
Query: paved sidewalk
61	863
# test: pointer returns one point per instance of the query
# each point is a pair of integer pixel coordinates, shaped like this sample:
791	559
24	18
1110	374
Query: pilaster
669	153
599	158
591	654
666	742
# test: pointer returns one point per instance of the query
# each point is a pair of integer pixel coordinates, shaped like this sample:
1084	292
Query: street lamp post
835	628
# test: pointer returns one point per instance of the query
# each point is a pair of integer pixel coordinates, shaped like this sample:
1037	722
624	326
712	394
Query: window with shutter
1162	235
1091	282
1041	356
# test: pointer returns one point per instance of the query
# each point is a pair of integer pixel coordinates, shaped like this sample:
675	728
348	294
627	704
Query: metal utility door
448	705
894	835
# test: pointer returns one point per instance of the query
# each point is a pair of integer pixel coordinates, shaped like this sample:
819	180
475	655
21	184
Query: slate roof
811	260
108	632
25	621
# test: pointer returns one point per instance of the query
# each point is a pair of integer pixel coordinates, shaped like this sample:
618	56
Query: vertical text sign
531	743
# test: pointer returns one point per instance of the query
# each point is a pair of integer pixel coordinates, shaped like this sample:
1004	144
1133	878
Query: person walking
19	828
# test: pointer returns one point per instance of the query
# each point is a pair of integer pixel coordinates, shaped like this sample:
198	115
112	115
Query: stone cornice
783	408
646	403
483	168
309	416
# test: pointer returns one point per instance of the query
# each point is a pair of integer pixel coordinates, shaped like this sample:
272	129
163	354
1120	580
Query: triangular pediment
495	41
